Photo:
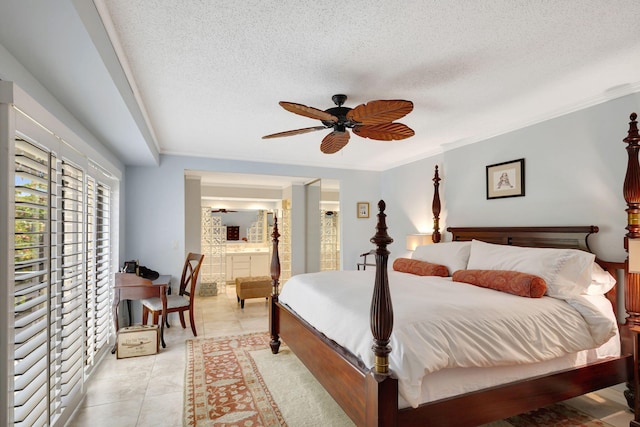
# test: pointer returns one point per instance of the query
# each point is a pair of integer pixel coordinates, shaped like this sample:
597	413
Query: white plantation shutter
72	277
103	261
98	292
31	295
90	316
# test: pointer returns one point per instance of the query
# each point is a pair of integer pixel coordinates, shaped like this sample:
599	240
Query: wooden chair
181	302
364	263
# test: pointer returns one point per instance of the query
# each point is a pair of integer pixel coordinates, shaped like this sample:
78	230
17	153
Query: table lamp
415	240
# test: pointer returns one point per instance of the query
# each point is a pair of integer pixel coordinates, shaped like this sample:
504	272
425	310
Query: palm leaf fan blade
294	132
384	132
310	112
334	142
378	112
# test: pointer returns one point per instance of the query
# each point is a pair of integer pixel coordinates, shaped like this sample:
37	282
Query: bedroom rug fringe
236	381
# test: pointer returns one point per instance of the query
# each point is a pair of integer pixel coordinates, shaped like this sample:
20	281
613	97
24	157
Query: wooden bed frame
370	396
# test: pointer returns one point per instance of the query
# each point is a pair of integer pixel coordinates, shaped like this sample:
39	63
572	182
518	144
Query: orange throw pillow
420	268
513	282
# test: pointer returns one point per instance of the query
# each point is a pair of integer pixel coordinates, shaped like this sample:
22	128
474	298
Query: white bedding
444	325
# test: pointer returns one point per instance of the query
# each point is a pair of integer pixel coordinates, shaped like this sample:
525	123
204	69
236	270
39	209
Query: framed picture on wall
363	209
505	179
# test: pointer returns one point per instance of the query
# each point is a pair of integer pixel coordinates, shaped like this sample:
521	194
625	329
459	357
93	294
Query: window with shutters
61	264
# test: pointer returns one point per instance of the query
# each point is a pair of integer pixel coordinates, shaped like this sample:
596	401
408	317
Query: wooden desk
128	286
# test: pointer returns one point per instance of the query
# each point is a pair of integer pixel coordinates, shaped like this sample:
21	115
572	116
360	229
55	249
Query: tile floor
148	391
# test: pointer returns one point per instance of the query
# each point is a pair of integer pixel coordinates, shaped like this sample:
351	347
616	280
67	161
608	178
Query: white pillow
566	271
453	255
601	281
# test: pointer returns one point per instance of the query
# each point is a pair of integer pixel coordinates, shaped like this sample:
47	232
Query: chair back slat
190	274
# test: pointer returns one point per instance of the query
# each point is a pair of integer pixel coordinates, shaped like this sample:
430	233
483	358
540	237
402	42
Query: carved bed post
381	308
631	191
381	388
435	208
275	281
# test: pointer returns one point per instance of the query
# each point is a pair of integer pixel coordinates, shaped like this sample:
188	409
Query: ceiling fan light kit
373	120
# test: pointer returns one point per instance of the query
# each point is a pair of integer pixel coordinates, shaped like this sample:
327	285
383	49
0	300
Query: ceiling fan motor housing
341	114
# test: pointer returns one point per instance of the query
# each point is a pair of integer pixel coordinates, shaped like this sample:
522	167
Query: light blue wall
408	193
154	207
574	172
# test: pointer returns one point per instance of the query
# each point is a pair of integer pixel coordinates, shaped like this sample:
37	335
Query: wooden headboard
574	237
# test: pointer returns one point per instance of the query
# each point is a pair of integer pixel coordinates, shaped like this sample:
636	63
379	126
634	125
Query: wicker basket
208	289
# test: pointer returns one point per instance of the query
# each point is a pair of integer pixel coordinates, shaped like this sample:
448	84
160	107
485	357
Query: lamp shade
415	240
633	246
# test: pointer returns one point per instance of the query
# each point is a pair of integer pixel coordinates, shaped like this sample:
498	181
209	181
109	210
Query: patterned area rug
236	381
223	387
558	415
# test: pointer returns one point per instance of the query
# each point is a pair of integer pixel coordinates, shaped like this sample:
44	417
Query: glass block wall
213	244
329	240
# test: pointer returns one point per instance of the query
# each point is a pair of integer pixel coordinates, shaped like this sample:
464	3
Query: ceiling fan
221	210
374	120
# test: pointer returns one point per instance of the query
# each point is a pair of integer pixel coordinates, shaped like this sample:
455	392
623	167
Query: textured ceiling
204	78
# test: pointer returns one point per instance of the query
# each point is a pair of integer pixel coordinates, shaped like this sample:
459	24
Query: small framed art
363	209
505	179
